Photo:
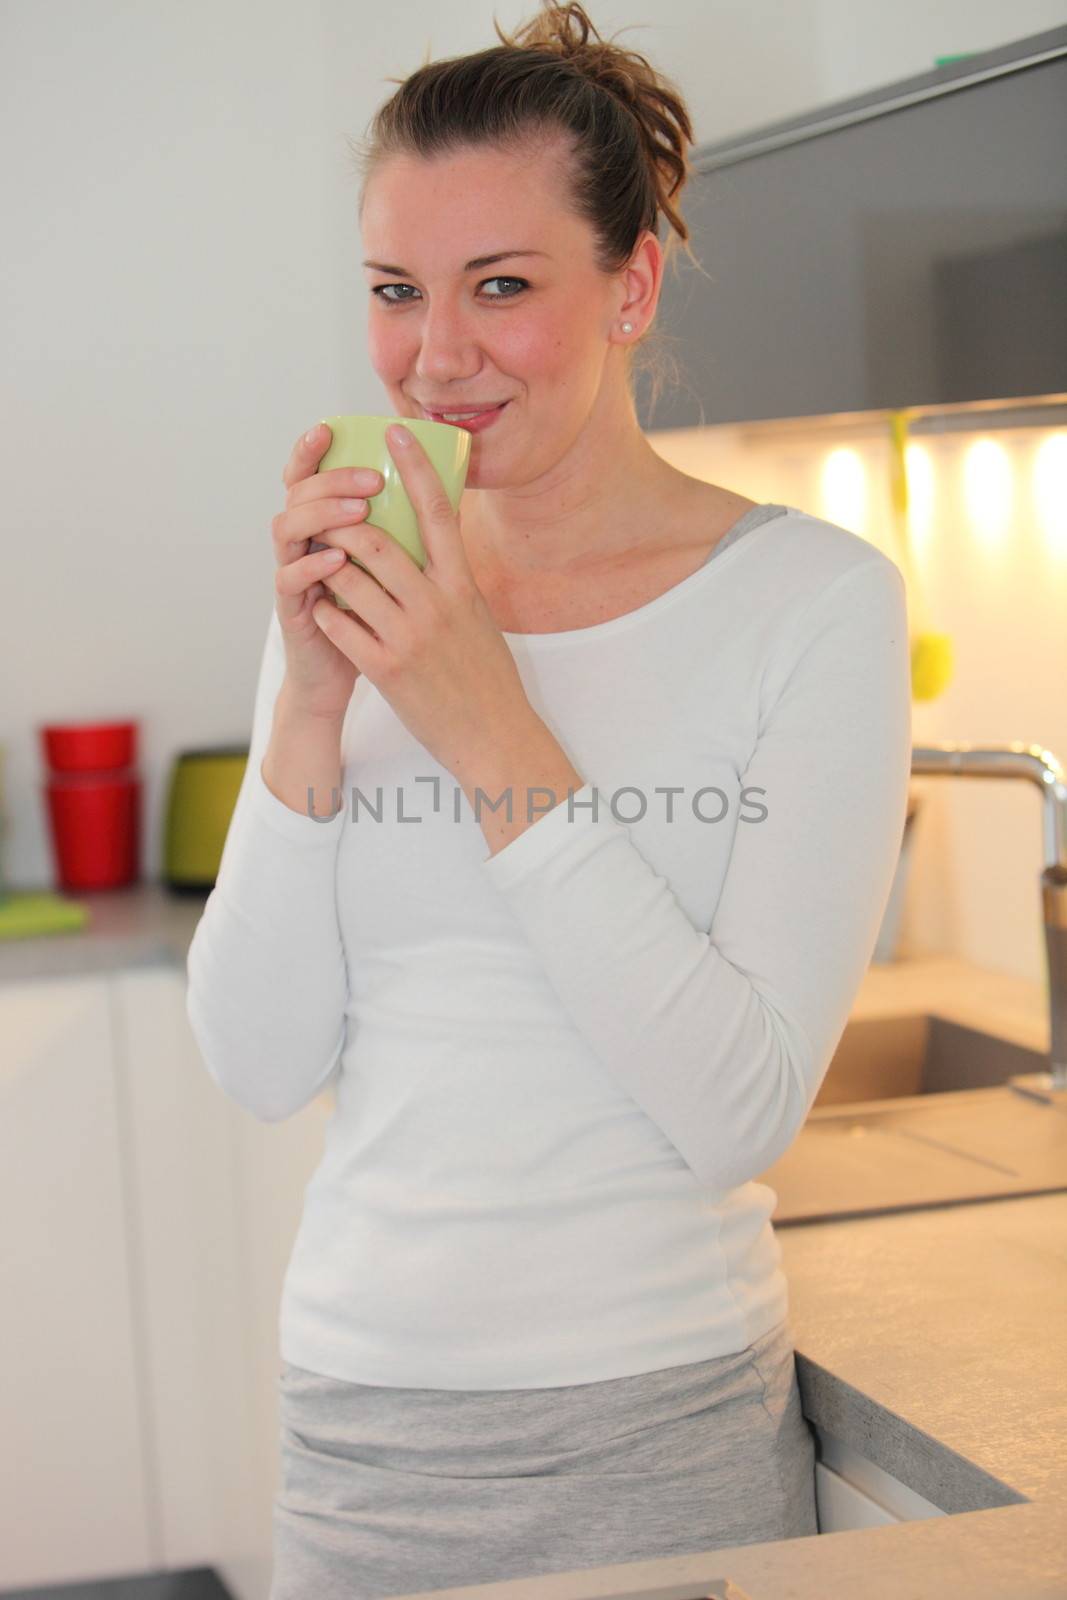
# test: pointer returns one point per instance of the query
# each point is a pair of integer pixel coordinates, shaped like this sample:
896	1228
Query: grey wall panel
917	256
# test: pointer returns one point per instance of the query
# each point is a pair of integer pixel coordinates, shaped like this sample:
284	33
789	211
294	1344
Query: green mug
359	441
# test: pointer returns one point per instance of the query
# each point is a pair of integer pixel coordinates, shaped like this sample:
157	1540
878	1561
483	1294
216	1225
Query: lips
474	424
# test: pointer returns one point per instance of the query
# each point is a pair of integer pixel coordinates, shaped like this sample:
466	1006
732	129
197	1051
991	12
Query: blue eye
520	281
388	300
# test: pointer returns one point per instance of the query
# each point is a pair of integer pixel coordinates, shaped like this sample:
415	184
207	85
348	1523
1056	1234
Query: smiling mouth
466	414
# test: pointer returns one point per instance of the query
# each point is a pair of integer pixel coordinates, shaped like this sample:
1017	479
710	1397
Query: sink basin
701	1589
879	1058
887	1133
911	1152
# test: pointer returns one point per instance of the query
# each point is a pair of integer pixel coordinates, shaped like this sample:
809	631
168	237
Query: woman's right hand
319	677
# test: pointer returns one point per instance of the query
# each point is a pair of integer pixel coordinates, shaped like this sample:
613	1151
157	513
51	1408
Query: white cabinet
218	1204
840	1505
189	1257
852	1492
76	1487
219	1198
146	1223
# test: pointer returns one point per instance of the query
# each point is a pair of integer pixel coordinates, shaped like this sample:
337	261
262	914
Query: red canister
89	746
93	794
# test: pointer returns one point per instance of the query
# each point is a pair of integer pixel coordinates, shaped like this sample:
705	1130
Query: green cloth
24	913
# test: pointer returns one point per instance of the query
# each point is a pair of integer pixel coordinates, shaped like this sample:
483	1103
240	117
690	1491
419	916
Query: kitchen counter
147	922
929	1341
134	927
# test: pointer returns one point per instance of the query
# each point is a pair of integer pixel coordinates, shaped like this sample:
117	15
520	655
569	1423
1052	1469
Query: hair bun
662	118
565	30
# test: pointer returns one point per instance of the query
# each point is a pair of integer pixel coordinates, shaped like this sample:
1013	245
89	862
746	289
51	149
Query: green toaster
201	795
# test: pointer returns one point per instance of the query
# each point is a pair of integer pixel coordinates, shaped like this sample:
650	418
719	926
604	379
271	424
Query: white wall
862	46
181	299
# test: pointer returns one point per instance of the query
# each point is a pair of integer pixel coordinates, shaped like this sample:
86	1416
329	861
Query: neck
587	509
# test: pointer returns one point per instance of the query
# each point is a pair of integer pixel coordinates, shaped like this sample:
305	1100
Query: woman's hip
393	1490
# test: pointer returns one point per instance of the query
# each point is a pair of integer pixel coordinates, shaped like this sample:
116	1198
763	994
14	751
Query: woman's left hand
439	658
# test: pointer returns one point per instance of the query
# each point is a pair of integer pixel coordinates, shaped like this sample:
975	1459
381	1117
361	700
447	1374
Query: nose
447	352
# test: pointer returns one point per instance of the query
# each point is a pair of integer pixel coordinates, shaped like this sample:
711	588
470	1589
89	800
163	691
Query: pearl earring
627	327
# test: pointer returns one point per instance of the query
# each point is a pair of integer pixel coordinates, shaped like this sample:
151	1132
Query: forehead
462	200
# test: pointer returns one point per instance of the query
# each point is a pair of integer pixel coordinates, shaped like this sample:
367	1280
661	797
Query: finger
298	576
384	558
354	637
371	589
306	453
301	470
292	529
300	583
336	481
438	522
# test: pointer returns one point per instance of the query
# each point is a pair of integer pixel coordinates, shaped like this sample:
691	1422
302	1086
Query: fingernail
398	435
313	434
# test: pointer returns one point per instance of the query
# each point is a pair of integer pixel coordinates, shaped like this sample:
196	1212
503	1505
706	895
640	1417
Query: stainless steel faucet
1038	766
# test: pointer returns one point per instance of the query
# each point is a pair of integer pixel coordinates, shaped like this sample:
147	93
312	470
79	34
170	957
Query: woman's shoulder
820	552
799	536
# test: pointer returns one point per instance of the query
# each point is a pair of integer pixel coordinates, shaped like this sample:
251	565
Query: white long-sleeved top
560	1071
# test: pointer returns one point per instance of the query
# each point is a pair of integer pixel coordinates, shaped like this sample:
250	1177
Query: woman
534	1318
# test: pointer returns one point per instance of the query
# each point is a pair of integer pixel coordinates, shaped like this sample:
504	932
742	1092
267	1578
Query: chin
488	471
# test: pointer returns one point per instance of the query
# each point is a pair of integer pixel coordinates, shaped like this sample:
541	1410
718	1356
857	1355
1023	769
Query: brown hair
629	128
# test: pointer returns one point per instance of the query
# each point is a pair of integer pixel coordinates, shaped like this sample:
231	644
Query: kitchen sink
919	1111
700	1589
879	1058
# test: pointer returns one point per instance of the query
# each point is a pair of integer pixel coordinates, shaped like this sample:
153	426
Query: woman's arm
723	1037
267	983
302	764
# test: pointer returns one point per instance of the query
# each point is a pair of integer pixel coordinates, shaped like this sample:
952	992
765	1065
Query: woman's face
532	330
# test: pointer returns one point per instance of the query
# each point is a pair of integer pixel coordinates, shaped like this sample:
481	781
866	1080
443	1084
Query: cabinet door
218	1199
74	1481
852	1492
274	1162
840	1505
191	1268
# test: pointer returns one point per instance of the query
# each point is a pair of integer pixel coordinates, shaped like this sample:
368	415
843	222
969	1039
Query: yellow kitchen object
202	793
932	665
932	660
27	913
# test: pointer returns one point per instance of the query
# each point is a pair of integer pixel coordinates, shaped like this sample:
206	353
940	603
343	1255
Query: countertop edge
949	1480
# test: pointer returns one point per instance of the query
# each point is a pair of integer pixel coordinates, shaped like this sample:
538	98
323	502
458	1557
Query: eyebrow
479	261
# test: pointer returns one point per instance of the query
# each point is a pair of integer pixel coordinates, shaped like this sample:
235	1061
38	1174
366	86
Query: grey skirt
387	1491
